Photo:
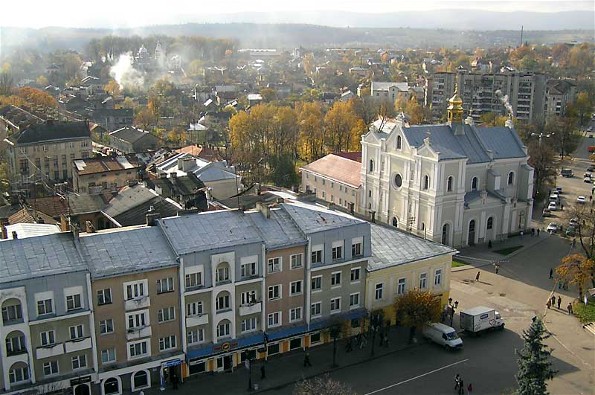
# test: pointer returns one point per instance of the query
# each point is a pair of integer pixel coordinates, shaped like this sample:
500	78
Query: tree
311	132
322	385
416	308
541	158
342	127
534	364
577	269
335	332
112	87
582	106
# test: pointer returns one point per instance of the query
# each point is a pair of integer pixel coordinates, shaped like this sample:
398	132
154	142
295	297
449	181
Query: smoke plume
505	102
126	75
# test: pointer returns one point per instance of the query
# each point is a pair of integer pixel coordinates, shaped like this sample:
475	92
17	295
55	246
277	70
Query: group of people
553	302
460	386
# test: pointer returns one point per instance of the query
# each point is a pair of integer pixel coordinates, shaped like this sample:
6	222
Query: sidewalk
283	370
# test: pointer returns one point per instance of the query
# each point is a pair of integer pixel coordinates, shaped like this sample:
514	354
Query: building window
141	379
222	273
317	254
336	279
296	287
354	300
337	251
335	305
18	374
193	280
401	286
316	309
274	265
490	223
106	326
79	362
135	290
378	291
138	350
193	309
44	307
166	314
296	261
111	386
274	319
357	247
474	184
398	180
423	280
248	298
104	296
249	325
108	355
165	285
399	142
223	302
274	292
195	336
511	178
449	184
48	338
15	344
12	313
50	368
248	269
73	302
316	283
295	314
136	320
426	182
167	343
438	277
371	166
76	332
355	274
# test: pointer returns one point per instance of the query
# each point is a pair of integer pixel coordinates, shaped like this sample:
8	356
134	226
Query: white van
443	335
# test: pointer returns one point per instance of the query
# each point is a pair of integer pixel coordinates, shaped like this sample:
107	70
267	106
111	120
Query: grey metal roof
210	230
39	256
502	141
277	231
128	198
312	219
392	247
54	130
126	250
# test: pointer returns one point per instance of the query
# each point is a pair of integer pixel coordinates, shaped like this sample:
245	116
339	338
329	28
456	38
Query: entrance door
445	234
471	236
82	389
227	362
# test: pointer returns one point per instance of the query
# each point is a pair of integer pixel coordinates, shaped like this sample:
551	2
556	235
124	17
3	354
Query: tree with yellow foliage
416	308
112	88
36	97
343	127
577	269
311	130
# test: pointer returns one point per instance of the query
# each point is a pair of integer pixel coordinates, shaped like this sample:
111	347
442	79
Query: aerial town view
316	198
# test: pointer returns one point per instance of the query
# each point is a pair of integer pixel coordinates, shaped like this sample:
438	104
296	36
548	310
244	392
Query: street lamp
541	135
250	362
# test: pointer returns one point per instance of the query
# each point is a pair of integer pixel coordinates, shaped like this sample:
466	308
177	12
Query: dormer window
399	142
474	184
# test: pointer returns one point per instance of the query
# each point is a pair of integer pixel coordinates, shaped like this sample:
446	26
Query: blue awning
287	332
173	362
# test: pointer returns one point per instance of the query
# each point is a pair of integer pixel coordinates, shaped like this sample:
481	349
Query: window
222	274
135	290
295	314
337	251
401	286
50	368
274	292
449	184
354	300
317	254
73	302
166	314
194	309
371	166
12	313
355	274
248	269
15	344
316	283
378	291
438	277
474	184
296	287
138	350
167	343
141	379
195	336
274	265
79	362
335	305
490	223
76	332
106	326
399	142
398	180
18	374
165	285
336	279
223	329
44	307
248	298
274	319
511	178
108	355
137	320
223	302
357	247
296	261
104	296
48	338
426	182
316	309
194	280
249	325
423	280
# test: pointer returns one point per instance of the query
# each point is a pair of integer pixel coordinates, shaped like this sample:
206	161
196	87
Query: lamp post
373	328
541	135
249	362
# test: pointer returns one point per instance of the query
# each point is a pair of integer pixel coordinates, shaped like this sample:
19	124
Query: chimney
89	227
64	223
264	209
14	235
152	218
4	233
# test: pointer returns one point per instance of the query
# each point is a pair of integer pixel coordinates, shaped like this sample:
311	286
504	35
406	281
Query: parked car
581	199
591	168
553	206
591	148
443	335
573	222
587	179
546	212
567	173
478	319
559	190
571	231
552	227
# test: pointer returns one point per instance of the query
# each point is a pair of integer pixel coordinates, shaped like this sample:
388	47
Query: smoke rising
505	102
126	75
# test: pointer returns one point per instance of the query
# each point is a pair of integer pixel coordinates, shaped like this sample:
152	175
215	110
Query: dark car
591	168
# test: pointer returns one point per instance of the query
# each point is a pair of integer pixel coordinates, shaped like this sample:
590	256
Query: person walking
553	301
559	301
457	381
497	268
462	388
549	303
262	372
569	308
477	276
551	272
537	232
307	359
175	381
469	389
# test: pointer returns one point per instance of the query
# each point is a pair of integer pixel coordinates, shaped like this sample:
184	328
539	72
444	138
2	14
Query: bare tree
322	385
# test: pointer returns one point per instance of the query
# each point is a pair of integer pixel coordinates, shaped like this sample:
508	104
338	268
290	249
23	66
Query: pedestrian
477	276
307	359
559	301
462	388
348	346
553	301
562	207
591	197
457	381
522	233
497	268
549	303
569	308
469	389
262	372
174	380
573	243
537	232
551	272
532	234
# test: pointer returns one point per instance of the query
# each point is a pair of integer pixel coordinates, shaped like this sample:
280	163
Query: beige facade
93	175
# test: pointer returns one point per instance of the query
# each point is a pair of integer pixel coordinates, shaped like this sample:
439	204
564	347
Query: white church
454	183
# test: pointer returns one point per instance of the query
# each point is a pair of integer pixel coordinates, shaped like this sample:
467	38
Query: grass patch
509	250
457	263
585	313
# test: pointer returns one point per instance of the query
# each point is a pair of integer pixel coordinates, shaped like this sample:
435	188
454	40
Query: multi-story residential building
454	183
131	140
334	179
558	94
94	175
136	299
389	91
47	324
45	151
506	93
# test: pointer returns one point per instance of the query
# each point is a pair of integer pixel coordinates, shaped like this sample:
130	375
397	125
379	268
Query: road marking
415	378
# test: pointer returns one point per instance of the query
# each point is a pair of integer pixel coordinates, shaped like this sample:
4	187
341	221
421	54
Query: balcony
248	309
77	345
137	333
138	303
195	320
49	351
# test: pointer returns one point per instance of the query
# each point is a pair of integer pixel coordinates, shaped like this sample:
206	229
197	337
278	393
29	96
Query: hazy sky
133	13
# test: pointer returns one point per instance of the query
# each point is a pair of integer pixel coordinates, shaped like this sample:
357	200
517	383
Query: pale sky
133	13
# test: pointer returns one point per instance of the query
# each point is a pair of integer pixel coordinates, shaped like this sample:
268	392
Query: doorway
471	235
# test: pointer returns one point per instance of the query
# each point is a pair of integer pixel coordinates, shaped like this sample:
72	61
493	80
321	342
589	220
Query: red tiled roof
356	156
337	168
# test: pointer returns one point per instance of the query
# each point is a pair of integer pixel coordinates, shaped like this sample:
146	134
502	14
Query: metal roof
312	219
279	230
392	247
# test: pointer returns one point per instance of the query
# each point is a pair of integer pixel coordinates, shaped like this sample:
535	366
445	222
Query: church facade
454	183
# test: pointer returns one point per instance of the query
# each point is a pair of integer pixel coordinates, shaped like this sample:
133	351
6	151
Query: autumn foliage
576	269
416	308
